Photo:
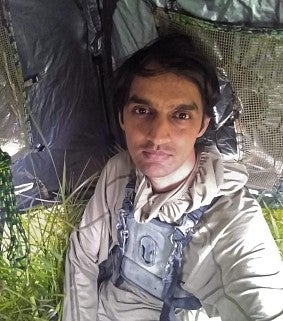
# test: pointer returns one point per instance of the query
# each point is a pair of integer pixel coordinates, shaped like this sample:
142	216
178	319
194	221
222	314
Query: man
170	220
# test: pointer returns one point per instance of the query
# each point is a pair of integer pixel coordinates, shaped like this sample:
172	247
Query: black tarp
65	97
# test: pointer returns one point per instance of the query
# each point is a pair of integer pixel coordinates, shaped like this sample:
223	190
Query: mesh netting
13	124
13	141
13	241
253	62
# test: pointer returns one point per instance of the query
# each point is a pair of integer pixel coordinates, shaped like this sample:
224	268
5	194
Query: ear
121	122
204	125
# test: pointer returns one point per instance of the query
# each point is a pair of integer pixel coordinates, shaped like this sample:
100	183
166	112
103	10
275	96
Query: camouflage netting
13	125
14	243
253	62
13	142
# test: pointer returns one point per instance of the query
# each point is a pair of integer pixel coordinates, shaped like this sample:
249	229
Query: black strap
127	209
170	281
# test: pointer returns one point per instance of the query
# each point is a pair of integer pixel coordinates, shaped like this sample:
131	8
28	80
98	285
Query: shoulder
109	190
239	254
227	174
237	210
114	178
117	167
121	161
236	226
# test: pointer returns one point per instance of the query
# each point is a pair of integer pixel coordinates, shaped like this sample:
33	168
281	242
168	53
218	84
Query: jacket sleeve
88	246
250	268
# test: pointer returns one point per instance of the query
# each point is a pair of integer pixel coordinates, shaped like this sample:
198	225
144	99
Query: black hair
175	54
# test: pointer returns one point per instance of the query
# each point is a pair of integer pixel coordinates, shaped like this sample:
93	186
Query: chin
154	171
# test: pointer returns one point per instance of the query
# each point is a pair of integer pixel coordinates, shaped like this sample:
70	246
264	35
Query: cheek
133	135
134	128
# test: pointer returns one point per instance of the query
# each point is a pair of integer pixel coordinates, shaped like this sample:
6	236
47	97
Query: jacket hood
212	176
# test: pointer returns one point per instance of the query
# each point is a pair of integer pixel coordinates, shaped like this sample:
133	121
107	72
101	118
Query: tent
58	57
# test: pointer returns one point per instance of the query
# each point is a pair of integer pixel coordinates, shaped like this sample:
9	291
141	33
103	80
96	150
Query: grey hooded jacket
232	263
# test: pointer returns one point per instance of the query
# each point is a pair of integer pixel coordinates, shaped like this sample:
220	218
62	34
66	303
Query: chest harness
150	255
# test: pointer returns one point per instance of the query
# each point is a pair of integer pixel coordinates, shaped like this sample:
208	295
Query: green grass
274	218
32	289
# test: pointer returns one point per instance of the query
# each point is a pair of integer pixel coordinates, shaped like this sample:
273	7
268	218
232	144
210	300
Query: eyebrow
138	100
187	107
143	101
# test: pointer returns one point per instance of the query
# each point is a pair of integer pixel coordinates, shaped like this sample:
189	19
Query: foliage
272	207
274	218
32	290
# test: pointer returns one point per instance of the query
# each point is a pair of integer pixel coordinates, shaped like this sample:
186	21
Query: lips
155	155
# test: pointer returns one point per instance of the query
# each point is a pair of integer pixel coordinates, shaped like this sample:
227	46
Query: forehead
166	88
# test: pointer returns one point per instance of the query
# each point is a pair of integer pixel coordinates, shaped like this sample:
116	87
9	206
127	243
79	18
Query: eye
182	115
141	110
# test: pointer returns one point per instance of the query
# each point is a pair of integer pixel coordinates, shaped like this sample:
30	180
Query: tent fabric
67	121
62	53
256	14
134	25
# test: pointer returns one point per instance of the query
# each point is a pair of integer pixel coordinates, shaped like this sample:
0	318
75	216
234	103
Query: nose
159	131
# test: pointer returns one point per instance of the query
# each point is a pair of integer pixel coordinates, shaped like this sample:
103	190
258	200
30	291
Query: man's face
162	119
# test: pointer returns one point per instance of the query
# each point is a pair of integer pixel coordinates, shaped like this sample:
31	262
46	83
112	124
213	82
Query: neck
171	181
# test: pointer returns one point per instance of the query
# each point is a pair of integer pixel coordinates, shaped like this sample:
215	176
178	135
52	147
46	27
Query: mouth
155	155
